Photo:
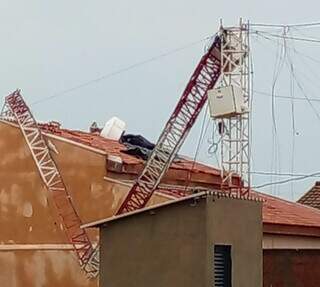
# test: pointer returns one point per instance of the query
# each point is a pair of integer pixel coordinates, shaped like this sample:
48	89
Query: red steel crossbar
15	108
176	130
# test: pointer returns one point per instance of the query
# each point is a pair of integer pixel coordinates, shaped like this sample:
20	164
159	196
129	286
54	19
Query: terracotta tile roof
276	211
312	197
115	148
280	211
200	196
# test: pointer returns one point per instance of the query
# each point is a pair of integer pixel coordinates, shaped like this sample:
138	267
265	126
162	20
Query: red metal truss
16	109
177	128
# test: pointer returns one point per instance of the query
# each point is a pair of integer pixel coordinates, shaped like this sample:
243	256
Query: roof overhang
195	196
284	229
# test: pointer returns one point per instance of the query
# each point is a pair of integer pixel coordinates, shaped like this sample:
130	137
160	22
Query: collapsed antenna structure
16	110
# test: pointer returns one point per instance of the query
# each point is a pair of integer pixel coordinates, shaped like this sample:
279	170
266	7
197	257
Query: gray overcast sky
50	46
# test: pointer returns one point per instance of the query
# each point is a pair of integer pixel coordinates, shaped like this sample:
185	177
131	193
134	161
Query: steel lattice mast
15	109
216	63
235	131
194	97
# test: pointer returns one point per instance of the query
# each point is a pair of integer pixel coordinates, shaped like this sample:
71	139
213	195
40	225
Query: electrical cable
263	93
293	121
289	48
267	173
305	95
213	144
300	88
313	73
280	59
312	24
251	98
287	37
203	131
120	71
287	180
293	78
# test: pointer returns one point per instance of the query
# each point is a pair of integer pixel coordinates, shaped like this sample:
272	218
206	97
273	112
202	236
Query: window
222	266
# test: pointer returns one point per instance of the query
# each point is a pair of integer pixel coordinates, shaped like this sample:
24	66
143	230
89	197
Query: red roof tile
115	148
280	211
312	197
275	210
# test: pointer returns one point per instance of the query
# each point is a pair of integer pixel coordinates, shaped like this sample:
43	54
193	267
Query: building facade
200	240
34	250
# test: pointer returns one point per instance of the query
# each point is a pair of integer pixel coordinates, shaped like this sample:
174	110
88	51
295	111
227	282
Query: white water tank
113	129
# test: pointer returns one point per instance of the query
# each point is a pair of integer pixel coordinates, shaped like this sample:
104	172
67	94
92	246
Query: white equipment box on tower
226	102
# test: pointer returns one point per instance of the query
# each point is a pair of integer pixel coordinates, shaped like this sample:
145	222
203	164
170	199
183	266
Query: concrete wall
32	240
272	241
41	268
237	223
162	248
292	268
173	245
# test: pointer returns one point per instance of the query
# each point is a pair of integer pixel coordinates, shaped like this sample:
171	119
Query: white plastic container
113	129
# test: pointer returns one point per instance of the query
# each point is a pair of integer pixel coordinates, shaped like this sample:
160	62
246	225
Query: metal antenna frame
16	110
235	131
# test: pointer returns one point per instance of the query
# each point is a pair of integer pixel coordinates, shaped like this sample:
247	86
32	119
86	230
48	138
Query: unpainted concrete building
206	239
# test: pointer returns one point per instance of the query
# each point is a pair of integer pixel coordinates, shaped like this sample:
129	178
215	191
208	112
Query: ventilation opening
222	266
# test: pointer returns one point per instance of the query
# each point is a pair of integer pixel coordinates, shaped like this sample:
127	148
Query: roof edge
60	138
219	194
286	229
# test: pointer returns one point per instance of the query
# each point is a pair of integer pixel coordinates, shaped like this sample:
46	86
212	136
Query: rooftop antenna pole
235	130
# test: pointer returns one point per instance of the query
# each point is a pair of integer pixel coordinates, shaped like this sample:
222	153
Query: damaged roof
182	169
280	216
275	211
113	147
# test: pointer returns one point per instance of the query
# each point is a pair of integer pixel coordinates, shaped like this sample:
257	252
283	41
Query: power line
288	180
122	70
291	174
279	63
296	177
287	97
312	40
312	24
289	48
203	131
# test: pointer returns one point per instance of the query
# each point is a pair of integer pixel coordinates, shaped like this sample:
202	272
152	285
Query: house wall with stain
33	247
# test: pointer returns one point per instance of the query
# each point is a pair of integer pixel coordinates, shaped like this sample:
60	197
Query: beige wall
237	223
41	268
155	248
28	218
172	245
271	241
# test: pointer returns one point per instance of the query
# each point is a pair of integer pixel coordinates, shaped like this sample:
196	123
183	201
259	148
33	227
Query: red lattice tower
15	109
177	128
